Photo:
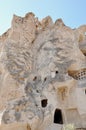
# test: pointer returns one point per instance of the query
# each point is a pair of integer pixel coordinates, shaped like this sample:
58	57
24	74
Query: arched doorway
58	117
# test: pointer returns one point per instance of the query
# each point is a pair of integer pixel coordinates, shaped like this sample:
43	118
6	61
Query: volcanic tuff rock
43	73
15	126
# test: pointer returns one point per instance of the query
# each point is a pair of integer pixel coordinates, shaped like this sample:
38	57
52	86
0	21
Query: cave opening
44	102
35	78
85	91
56	72
58	117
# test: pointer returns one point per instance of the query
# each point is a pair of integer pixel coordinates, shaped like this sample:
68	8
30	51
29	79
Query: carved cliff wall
43	73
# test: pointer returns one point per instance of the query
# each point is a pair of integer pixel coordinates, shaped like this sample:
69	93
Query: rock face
15	126
43	73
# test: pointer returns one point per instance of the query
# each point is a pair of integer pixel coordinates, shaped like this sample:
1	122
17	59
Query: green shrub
69	127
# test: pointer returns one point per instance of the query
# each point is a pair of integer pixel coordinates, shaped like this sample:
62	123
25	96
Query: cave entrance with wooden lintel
58	119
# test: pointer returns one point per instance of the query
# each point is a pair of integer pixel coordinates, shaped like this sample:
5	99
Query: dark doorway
85	91
44	103
58	117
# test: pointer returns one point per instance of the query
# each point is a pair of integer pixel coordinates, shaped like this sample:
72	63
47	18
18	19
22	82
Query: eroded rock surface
43	73
15	126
